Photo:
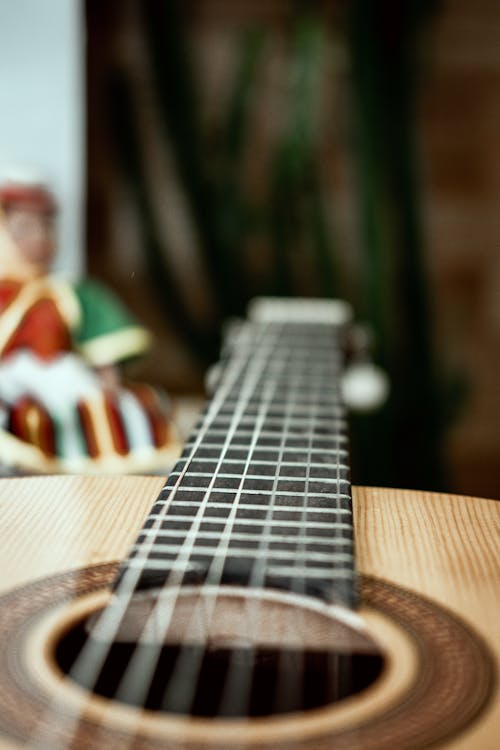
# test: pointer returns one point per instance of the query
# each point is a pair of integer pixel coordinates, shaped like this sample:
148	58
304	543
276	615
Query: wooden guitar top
441	547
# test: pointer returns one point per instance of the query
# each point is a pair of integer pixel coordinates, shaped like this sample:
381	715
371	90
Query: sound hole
270	681
228	673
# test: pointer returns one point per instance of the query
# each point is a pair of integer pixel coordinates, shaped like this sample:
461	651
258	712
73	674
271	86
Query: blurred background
224	149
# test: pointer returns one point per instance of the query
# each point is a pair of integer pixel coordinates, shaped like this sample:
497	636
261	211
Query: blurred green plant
401	444
384	53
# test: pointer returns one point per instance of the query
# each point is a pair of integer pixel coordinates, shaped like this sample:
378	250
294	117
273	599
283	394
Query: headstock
365	386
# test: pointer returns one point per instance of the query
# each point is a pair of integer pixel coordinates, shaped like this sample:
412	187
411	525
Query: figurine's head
28	211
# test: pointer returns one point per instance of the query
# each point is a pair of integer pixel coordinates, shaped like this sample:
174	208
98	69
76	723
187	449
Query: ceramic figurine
63	407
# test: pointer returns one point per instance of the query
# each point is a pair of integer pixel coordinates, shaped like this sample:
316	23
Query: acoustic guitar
253	601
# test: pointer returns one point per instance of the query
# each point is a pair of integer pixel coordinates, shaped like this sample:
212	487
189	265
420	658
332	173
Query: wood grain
59	523
444	547
440	546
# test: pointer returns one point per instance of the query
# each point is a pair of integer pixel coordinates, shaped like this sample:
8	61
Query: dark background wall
458	122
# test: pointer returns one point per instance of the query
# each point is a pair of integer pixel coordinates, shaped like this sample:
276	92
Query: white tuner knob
365	387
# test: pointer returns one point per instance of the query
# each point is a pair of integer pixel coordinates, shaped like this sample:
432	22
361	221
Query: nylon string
92	657
141	667
238	682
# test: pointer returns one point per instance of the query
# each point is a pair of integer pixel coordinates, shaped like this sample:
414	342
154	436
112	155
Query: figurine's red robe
35	323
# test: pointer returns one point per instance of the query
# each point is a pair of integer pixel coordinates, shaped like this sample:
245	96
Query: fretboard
261	494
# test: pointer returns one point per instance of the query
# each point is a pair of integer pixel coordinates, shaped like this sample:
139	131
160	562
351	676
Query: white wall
42	106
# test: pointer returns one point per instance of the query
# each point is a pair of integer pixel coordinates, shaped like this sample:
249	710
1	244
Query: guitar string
331	658
285	685
181	690
137	678
144	671
233	684
287	690
252	613
238	680
91	659
181	683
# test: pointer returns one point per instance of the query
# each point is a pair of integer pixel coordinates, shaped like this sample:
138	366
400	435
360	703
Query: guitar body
429	595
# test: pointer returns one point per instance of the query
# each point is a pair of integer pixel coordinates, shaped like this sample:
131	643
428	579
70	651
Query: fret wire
295	430
299	350
300	379
312	362
254	506
301	405
275	422
213	511
270	449
302	385
287	337
249	536
301	353
284	493
323	374
292	346
264	462
298	382
265	477
312	572
269	434
283	506
258	553
296	352
296	375
220	521
318	509
253	481
340	573
257	522
299	411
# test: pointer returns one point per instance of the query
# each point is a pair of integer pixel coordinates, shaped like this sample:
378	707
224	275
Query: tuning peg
213	377
231	332
365	386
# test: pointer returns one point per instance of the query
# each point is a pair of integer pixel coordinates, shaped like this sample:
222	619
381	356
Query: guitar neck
261	495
